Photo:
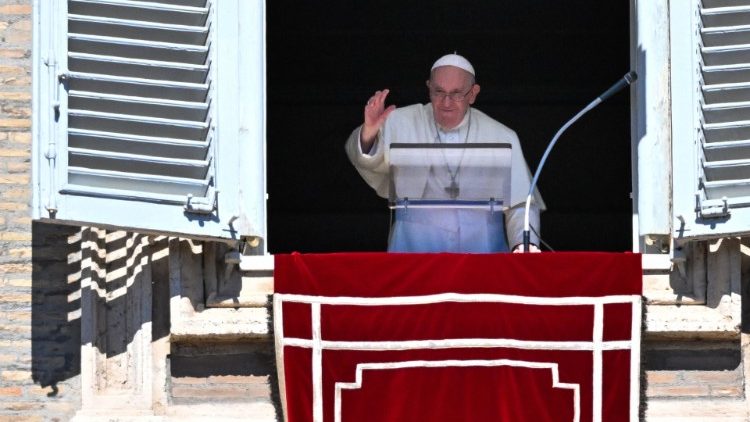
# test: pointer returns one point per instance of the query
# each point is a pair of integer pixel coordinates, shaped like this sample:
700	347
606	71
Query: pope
449	118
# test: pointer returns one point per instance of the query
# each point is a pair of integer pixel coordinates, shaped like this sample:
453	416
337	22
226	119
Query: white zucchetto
454	60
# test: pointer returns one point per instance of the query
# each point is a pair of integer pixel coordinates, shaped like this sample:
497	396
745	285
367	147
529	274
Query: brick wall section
694	384
39	347
231	372
696	369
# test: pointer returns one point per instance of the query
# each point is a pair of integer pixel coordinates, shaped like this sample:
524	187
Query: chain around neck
453	189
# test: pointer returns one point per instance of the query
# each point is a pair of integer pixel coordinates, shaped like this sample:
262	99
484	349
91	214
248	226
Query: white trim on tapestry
586	346
596	346
317	365
635	367
456	297
598	337
553	367
278	328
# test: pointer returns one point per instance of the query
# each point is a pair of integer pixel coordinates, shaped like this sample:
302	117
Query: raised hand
375	115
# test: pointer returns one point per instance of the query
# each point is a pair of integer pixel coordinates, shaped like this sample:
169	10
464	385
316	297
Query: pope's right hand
375	115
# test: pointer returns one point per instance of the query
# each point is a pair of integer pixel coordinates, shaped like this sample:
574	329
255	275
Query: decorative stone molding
120	375
235	305
140	295
699	292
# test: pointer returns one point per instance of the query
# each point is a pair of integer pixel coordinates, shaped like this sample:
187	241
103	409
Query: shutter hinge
713	208
205	205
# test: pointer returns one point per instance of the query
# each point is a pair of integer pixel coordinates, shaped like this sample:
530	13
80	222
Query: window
710	84
150	115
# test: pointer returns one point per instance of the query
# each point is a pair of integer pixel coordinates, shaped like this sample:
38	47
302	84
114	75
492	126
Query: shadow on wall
94	287
107	275
56	307
116	289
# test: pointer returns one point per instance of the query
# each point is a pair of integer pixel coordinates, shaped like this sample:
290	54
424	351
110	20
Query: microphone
626	80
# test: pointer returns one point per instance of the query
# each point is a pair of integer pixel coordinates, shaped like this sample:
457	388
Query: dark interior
538	63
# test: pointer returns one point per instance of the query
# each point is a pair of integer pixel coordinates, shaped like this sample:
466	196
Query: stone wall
694	350
41	294
694	369
39	326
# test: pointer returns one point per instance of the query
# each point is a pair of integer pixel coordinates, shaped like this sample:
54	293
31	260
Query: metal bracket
679	257
713	208
231	258
205	205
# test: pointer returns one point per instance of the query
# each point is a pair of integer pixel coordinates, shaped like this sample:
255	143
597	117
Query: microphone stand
626	80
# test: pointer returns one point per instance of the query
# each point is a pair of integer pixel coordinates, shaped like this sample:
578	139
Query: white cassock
447	230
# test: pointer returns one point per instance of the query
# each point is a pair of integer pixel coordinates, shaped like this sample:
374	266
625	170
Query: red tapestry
458	337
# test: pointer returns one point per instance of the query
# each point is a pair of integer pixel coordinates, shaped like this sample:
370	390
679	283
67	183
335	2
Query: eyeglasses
454	96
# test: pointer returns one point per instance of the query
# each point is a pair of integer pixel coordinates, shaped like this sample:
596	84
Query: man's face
452	91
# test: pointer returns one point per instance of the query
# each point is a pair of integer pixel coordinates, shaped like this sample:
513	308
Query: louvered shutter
139	123
710	72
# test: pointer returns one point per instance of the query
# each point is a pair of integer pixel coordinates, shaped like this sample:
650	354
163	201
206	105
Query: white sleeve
371	166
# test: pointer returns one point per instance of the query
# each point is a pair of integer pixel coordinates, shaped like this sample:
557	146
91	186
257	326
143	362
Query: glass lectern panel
450	174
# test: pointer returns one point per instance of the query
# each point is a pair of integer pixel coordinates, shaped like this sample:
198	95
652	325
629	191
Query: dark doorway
538	63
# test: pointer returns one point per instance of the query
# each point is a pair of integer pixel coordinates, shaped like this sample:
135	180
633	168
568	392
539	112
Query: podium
473	175
448	197
548	337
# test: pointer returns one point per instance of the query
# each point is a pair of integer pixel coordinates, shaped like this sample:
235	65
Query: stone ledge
223	323
718	410
658	290
257	262
674	321
254	291
212	412
656	262
116	416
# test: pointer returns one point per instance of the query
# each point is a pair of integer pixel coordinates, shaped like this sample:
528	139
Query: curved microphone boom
626	80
